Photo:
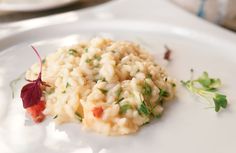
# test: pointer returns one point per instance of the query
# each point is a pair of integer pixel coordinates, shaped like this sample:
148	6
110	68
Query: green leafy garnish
124	108
143	109
207	87
86	50
220	101
72	52
209	83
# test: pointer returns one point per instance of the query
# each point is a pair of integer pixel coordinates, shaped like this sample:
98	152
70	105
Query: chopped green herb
147	89
124	108
52	90
44	61
104	91
146	123
55	117
97	66
103	79
72	52
79	117
163	93
118	93
143	109
166	79
67	85
49	92
63	91
89	61
86	50
158	116
97	57
173	84
207	87
149	76
118	101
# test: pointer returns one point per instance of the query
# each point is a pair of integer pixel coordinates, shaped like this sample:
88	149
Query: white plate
32	5
186	126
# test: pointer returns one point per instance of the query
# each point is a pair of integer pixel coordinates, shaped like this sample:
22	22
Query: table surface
6	17
158	11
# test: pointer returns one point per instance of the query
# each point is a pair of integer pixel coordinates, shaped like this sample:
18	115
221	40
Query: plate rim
24	7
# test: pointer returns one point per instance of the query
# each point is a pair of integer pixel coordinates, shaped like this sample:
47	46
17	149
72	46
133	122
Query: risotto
111	87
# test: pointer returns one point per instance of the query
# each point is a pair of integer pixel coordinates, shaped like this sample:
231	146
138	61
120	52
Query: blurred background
221	12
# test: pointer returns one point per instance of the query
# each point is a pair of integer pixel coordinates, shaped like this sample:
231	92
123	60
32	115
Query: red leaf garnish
31	93
167	53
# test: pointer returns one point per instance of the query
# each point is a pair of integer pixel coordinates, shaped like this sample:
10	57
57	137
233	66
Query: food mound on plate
111	87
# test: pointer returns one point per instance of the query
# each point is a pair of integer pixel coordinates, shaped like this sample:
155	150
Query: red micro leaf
167	53
31	93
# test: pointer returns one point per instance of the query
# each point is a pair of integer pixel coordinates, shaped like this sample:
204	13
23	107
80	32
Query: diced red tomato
97	111
36	111
39	118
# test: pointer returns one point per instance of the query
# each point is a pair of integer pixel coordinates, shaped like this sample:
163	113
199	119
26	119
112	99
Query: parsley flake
143	109
124	108
147	89
78	116
72	52
67	85
104	91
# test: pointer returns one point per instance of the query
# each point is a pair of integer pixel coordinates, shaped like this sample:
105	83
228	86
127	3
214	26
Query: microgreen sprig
207	88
